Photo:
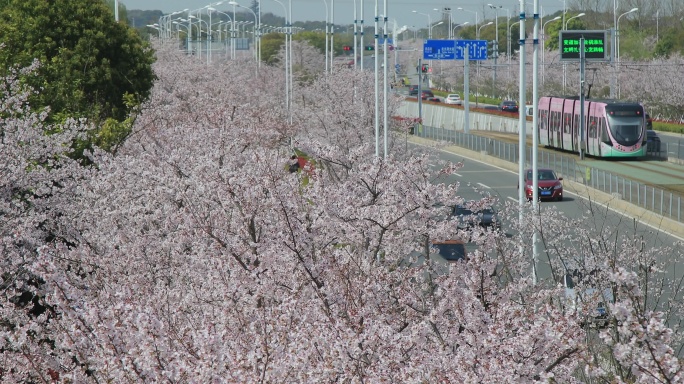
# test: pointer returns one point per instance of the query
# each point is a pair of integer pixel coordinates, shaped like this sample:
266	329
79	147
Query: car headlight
558	186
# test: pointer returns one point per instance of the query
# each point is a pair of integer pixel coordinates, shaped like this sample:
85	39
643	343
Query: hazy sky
398	10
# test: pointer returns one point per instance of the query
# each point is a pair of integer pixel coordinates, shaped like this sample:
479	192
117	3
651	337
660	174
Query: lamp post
440	23
257	29
229	22
453	31
495	47
476	20
510	48
479	29
199	33
180	25
574	17
429	22
446	11
210	10
325	34
544	43
617	46
565	66
288	49
617	29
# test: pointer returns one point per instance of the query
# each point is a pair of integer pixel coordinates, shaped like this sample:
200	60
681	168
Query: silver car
453	98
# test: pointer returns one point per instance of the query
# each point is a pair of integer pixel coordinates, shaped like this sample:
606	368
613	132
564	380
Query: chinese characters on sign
454	49
594	45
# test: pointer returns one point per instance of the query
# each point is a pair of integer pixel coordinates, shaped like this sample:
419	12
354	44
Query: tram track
650	171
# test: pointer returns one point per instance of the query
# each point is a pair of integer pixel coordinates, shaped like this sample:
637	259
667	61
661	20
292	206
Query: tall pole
355	39
535	135
332	34
384	75
581	111
377	87
325	55
361	43
522	139
259	57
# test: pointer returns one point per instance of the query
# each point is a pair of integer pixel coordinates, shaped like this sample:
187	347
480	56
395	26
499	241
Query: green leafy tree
90	66
270	46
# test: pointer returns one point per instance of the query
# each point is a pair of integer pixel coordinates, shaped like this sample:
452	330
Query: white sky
398	10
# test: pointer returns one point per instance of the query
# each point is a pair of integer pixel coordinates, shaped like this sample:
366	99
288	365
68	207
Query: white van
529	110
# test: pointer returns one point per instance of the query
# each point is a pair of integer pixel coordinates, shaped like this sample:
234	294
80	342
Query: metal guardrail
659	201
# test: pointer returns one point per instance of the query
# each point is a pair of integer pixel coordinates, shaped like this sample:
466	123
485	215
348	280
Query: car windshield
451	251
542	175
459	210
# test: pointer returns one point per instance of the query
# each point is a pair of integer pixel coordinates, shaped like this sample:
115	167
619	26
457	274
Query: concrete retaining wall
441	116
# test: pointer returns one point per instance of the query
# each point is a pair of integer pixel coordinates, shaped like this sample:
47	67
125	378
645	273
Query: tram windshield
626	130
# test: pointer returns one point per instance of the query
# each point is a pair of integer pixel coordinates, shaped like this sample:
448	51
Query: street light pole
565	66
479	29
544	43
617	46
325	34
429	22
476	20
495	48
510	27
574	17
453	31
440	23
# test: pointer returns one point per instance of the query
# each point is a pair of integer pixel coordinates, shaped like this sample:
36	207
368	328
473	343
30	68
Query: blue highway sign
453	49
438	50
477	49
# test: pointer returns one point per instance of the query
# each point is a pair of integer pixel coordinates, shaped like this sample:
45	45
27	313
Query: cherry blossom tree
193	255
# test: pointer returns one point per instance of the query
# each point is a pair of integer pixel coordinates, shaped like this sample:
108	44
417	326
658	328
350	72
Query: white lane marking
483	186
458	174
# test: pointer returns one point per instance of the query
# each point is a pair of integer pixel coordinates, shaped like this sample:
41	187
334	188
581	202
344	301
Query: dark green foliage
91	66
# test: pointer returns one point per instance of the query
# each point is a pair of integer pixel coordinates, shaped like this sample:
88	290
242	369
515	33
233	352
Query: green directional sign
595	45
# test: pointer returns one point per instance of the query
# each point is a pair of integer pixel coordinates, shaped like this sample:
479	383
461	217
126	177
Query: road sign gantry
454	49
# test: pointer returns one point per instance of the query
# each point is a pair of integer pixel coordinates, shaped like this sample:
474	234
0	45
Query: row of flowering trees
193	255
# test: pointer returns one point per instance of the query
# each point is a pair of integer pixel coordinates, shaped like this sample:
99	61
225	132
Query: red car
550	186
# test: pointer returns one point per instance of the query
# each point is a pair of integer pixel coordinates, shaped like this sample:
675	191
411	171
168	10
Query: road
477	178
673	143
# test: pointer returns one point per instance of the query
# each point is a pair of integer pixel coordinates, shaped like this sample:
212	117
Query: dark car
470	214
508	106
550	186
589	301
652	141
451	250
413	90
427	94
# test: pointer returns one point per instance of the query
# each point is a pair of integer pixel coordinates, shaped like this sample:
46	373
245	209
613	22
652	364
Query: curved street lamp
476	19
482	26
429	22
544	43
574	17
453	31
257	29
617	51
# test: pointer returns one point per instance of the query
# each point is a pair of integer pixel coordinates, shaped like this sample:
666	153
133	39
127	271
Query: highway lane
477	178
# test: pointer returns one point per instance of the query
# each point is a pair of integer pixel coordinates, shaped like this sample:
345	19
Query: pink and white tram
612	128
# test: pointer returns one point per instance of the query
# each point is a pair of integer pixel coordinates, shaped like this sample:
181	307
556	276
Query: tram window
592	126
567	120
